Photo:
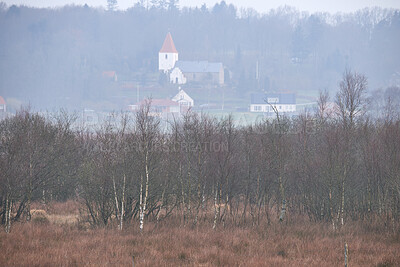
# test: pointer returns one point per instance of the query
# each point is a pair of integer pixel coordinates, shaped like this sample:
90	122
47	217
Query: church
182	72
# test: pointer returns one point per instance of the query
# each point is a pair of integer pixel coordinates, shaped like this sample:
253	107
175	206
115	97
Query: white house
265	103
168	55
183	99
90	117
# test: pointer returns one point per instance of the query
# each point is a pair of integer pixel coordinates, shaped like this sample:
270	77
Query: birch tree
147	130
350	102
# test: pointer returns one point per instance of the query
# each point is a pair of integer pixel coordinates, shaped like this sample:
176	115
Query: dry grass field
57	238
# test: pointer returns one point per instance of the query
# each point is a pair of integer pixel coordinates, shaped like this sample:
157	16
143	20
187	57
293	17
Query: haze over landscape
53	58
260	6
199	133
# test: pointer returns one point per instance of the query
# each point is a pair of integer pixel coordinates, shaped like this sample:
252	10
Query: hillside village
195	77
81	58
168	135
222	72
181	87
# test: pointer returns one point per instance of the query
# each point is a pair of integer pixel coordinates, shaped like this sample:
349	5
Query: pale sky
261	6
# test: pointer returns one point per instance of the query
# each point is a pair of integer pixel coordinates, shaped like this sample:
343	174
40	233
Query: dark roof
168	45
198	66
281	98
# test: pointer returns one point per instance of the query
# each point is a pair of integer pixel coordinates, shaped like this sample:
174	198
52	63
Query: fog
260	6
67	57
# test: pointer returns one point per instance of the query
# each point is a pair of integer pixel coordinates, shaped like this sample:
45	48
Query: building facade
197	71
183	99
266	103
181	72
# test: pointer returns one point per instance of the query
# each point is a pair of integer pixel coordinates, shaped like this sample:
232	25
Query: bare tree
33	154
148	138
350	99
322	112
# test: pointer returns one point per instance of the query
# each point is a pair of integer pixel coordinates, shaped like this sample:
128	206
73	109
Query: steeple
168	46
168	55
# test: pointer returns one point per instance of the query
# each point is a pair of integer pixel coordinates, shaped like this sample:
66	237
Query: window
166	56
257	108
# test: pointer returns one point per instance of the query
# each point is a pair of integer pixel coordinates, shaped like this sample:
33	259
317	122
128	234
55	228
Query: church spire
168	46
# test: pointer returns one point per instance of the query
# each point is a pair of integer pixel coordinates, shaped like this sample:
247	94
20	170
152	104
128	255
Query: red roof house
3	107
110	74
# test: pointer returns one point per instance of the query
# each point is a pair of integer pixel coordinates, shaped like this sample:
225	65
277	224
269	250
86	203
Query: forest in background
54	58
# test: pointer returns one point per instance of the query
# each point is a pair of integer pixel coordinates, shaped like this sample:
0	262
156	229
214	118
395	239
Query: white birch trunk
216	208
146	193
342	206
141	212
122	204
331	209
116	199
8	215
143	200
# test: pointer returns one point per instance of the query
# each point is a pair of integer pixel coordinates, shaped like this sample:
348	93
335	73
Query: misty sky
259	5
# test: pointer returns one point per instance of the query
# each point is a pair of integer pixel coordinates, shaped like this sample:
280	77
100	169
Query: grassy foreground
54	242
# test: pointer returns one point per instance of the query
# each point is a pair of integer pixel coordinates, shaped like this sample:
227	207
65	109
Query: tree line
336	164
55	57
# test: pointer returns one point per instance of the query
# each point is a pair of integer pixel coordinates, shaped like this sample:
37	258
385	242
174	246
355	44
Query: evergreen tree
112	5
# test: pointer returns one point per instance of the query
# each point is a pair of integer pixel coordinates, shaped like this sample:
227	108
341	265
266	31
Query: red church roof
168	46
2	102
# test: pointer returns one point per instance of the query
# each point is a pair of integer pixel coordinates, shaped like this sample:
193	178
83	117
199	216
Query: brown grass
304	244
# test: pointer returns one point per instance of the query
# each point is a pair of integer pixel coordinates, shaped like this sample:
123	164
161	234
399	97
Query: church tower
168	54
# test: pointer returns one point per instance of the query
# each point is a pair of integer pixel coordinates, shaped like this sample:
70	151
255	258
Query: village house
265	103
180	103
184	100
182	72
111	75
